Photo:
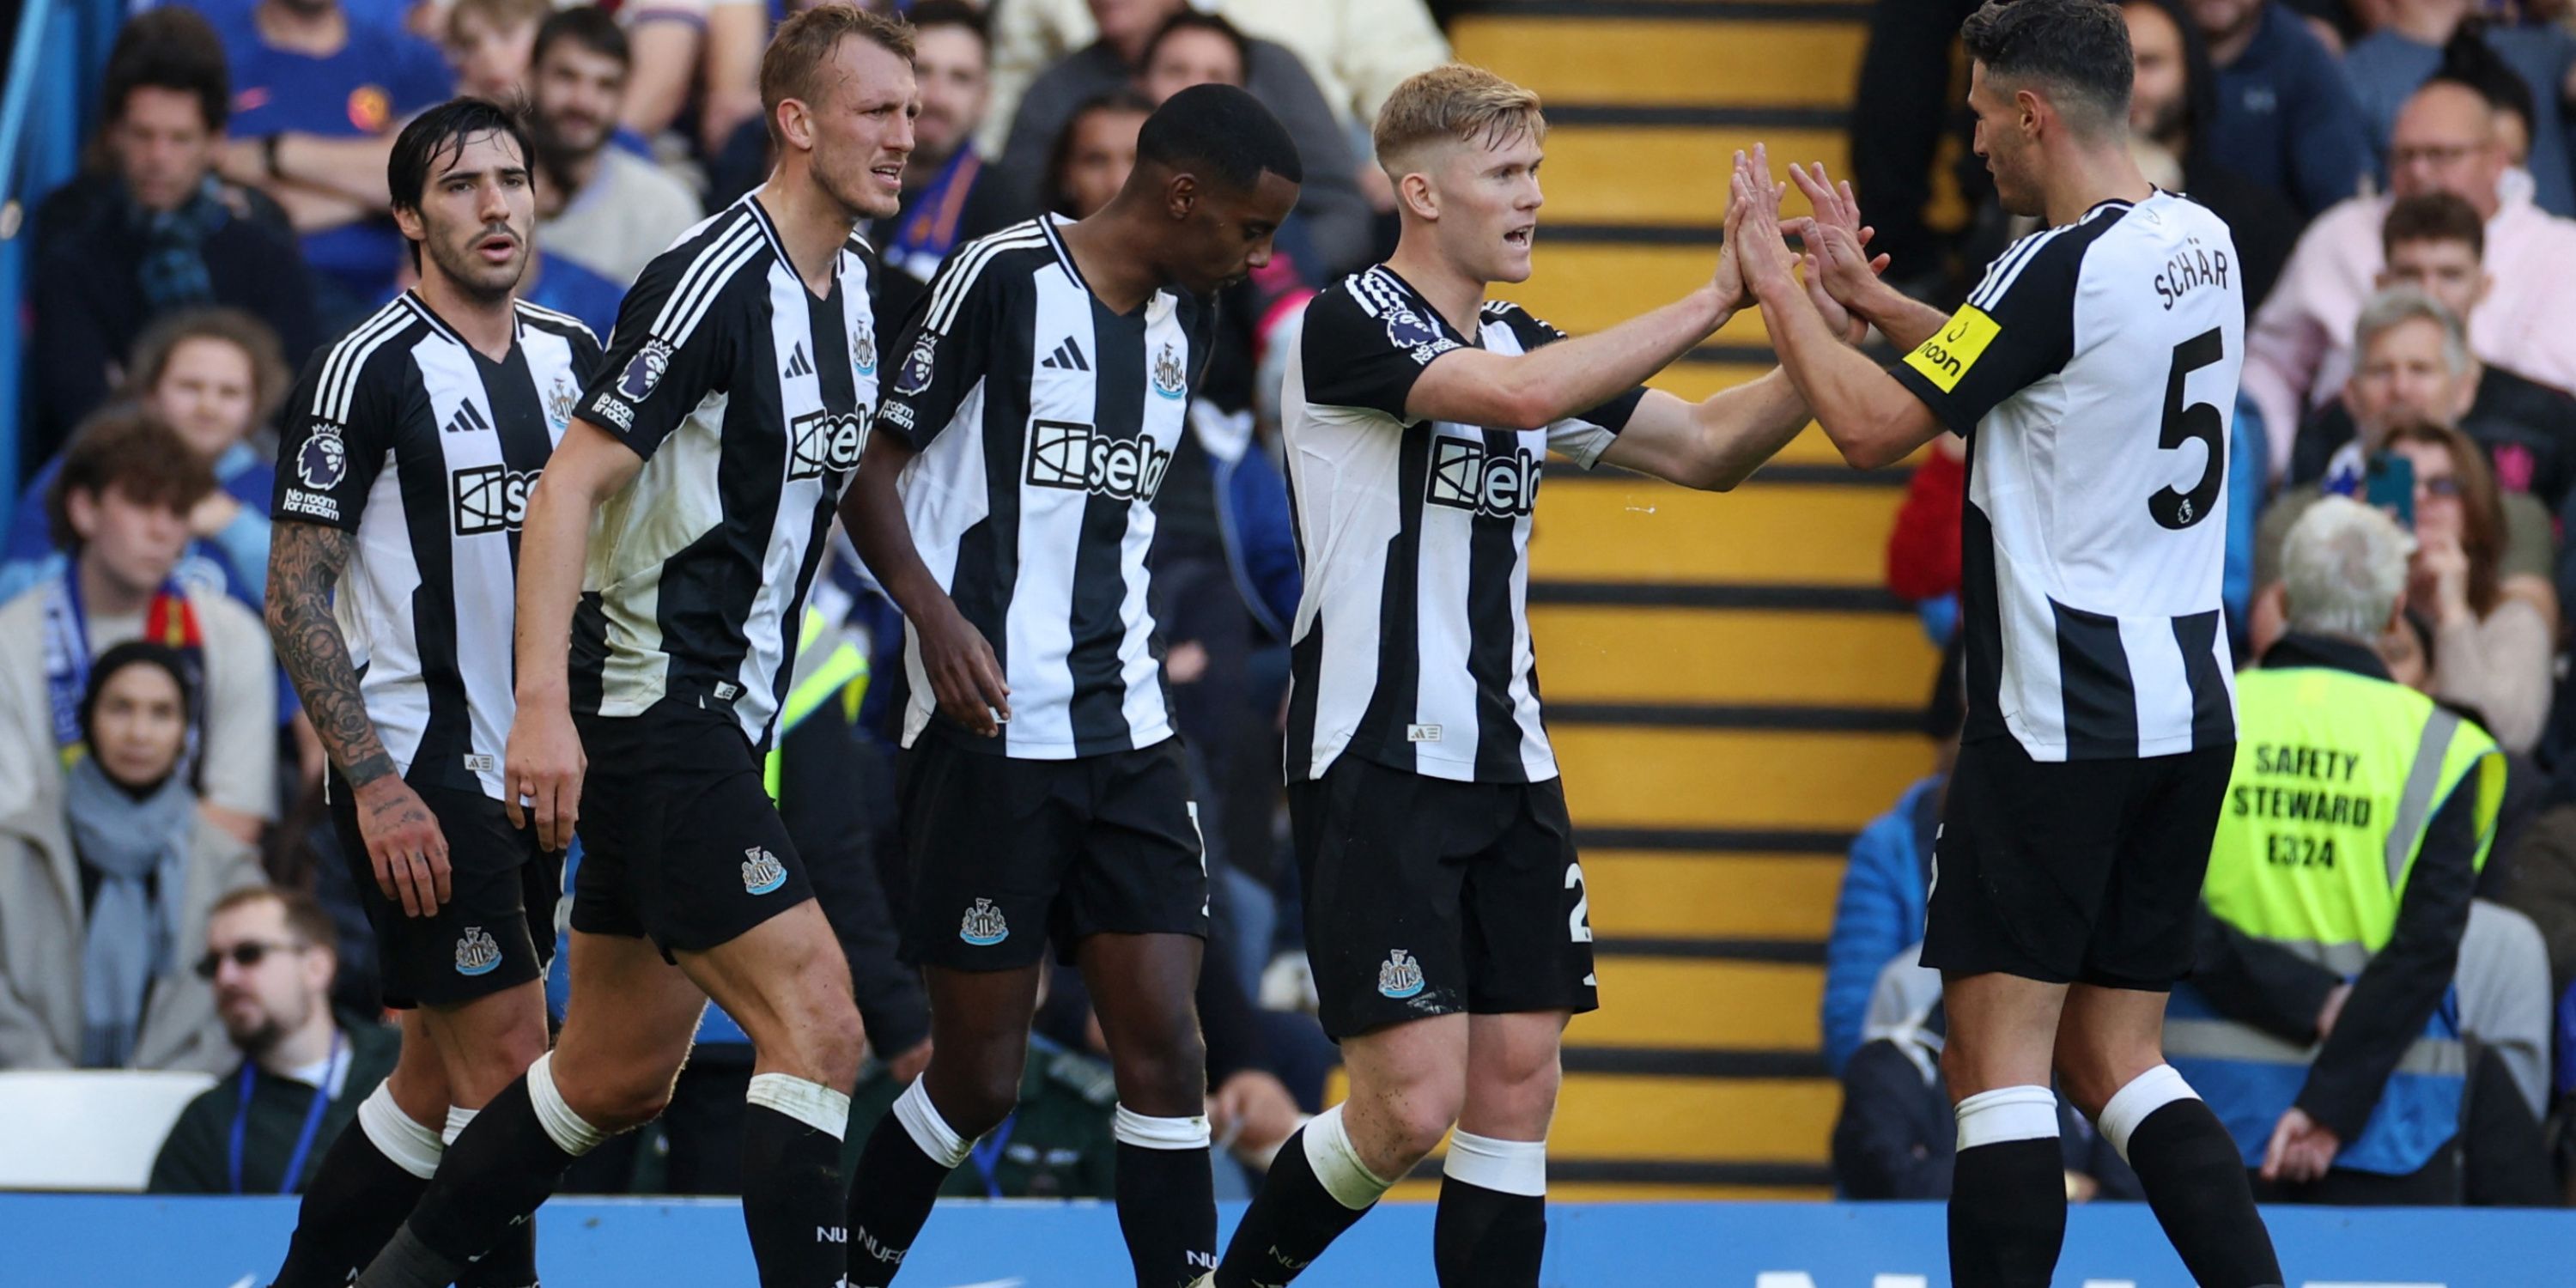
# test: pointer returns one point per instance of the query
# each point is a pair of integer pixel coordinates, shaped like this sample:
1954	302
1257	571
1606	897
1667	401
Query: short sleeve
1585	435
335	432
665	355
2017	329
945	346
1367	353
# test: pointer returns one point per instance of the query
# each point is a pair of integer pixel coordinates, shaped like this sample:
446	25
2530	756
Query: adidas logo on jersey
477	953
761	871
824	443
984	925
491	498
1079	458
467	420
1067	357
1399	976
1465	477
797	365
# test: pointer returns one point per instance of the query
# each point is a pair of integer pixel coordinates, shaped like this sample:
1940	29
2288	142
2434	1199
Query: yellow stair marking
1626	1192
1641	174
1729	778
1610	653
1583	287
1629	528
1649	894
1672	61
1682	1003
1697	1120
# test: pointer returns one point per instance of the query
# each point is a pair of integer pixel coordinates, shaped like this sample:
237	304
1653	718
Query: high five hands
1837	266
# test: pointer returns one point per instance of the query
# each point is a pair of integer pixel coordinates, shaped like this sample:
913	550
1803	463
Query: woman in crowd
104	891
216	376
2492	639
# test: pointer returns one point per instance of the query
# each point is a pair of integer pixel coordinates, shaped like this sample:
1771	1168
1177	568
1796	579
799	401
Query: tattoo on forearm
304	560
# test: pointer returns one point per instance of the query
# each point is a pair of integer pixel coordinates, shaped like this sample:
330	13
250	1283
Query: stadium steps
1731	691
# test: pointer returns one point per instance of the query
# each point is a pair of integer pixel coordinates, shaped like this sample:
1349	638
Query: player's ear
796	124
407	221
1415	193
1181	196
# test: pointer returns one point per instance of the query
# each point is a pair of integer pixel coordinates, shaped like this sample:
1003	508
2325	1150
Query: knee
482	1067
1409	1123
1520	1096
618	1100
1169	1079
974	1101
2089	1080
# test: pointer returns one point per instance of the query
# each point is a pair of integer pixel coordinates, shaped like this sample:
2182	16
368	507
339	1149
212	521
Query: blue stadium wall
79	1241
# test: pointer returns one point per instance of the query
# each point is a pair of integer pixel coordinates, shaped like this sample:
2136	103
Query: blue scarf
173	268
138	847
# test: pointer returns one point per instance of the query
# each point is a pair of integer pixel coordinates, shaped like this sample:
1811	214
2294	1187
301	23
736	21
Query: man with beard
408	453
303	1072
666	558
602	207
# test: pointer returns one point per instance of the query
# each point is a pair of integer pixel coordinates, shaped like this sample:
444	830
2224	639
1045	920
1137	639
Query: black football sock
792	1201
493	1177
1317	1188
1491	1229
512	1262
1166	1198
2007	1190
369	1180
908	1157
2195	1180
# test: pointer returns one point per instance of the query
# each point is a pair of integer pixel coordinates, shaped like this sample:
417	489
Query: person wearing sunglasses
105	886
264	1127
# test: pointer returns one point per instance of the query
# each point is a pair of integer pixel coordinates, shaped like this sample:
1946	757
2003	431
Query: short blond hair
1454	102
792	65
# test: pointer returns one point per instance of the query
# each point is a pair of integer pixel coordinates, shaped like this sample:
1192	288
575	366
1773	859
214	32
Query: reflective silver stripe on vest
2417	804
2345	959
2228	1040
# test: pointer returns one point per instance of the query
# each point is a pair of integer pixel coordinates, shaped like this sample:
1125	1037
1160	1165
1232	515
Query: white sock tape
562	1125
457	1118
2145	1094
2007	1114
412	1147
922	1122
1132	1128
1337	1164
810	1103
1503	1166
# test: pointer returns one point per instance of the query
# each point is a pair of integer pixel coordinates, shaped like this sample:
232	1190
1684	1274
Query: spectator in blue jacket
1880	910
2286	115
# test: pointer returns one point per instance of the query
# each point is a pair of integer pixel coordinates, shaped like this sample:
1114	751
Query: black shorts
1430	897
496	930
680	841
1008	854
2082	871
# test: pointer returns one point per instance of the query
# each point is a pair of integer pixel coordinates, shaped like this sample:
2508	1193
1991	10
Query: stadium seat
88	1129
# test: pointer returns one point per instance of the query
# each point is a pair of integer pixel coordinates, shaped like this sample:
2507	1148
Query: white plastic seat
88	1129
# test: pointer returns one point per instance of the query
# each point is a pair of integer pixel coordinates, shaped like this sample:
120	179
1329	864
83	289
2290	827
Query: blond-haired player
1444	905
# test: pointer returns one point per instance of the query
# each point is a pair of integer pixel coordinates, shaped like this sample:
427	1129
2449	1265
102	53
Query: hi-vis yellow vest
828	665
2337	776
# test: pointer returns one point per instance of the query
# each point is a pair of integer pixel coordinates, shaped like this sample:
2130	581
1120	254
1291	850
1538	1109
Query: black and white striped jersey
747	395
404	435
1044	423
1412	643
2094	374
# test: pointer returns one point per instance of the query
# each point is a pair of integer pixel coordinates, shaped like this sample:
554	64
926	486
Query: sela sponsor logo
1399	976
761	871
983	925
643	371
1171	379
917	366
477	953
1465	477
824	443
324	459
491	498
312	505
1076	457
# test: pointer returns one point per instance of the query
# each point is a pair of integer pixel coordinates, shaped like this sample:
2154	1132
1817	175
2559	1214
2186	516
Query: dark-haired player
1444	905
2092	372
668	551
1006	501
409	448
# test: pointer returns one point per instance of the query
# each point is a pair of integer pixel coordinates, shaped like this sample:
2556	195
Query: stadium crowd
2397	174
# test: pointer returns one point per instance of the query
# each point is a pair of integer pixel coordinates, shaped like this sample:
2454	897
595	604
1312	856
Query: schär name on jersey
2193	267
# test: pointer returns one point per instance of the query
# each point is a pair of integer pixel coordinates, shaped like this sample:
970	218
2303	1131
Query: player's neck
103	595
306	1046
488	327
811	225
2087	177
1109	250
1455	293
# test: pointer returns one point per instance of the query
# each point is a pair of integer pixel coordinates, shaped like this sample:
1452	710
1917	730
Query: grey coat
41	915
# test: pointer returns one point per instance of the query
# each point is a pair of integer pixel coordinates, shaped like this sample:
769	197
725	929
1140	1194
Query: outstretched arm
403	838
